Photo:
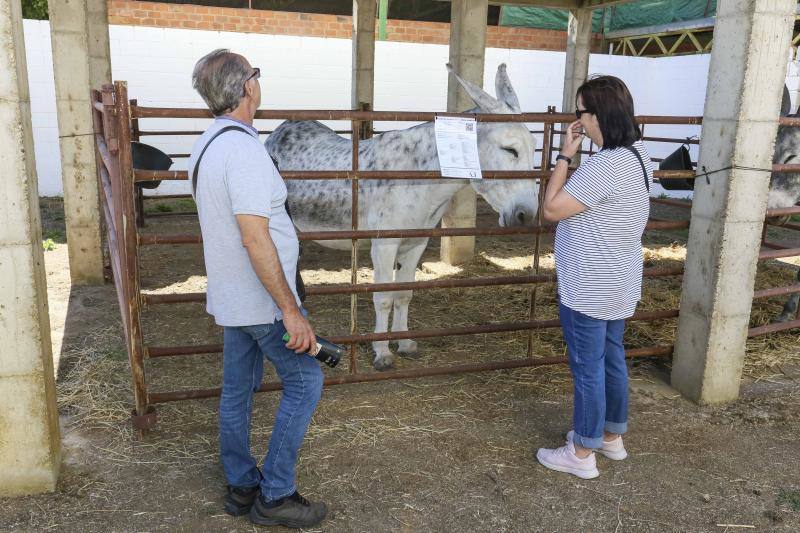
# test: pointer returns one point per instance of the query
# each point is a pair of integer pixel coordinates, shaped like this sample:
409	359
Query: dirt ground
435	454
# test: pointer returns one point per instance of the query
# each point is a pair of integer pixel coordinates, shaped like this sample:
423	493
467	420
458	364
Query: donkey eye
512	151
788	159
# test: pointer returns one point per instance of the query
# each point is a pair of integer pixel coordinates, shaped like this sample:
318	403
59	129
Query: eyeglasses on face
579	112
255	75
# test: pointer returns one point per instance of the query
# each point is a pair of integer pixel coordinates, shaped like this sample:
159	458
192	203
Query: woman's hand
573	139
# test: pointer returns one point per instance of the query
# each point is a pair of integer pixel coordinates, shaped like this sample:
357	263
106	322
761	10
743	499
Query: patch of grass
181	205
48	245
185	204
790	497
55	235
795	218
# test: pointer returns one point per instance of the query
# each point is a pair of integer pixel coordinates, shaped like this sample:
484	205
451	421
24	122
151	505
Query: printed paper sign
457	146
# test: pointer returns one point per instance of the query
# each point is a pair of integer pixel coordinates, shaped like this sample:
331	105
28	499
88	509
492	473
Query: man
251	250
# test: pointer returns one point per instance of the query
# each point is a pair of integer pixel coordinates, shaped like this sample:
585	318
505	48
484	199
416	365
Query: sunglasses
579	112
256	74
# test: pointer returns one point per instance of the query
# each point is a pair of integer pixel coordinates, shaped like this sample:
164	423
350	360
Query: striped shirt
599	251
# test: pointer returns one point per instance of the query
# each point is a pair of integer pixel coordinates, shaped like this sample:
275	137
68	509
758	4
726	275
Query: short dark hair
608	98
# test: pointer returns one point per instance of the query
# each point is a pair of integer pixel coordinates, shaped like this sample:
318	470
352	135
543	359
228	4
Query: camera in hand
324	351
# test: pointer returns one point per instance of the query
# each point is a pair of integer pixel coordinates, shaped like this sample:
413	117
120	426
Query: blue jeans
599	373
243	369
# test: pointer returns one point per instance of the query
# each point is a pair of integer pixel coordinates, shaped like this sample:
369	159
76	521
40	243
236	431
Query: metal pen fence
116	122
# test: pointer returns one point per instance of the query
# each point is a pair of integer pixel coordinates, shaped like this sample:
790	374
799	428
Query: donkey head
504	146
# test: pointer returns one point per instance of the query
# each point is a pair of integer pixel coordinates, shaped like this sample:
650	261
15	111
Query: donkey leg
408	258
384	255
790	307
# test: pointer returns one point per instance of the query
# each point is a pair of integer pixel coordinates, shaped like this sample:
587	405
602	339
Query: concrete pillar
363	79
81	61
467	54
579	39
576	67
746	76
29	436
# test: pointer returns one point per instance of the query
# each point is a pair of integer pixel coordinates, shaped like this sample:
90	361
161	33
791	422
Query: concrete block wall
313	72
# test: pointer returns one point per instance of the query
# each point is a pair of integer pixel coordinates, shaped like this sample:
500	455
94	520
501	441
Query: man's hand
302	337
573	138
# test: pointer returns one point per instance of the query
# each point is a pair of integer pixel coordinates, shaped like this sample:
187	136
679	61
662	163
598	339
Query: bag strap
635	152
200	157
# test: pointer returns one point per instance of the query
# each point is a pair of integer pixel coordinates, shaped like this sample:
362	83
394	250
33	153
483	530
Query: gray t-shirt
237	177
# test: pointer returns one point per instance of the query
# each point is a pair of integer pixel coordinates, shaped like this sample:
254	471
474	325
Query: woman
601	212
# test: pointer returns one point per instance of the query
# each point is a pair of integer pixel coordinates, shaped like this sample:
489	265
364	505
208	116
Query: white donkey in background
325	205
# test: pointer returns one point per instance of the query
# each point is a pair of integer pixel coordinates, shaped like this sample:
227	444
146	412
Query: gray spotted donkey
785	187
325	205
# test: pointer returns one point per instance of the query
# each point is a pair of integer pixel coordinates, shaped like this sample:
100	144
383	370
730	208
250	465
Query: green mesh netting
633	15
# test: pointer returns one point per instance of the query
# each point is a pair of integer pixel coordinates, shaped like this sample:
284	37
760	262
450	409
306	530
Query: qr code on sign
470	126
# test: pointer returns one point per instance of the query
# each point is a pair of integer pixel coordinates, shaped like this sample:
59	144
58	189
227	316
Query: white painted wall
314	73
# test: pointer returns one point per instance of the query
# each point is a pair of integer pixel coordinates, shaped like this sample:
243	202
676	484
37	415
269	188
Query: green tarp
634	15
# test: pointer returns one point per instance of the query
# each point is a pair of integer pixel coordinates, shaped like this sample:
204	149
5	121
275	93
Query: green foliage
185	204
55	235
34	9
48	245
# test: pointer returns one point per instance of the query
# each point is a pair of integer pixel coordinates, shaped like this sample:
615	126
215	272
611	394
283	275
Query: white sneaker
564	460
613	450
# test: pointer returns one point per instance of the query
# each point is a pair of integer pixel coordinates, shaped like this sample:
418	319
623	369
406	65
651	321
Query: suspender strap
635	152
200	157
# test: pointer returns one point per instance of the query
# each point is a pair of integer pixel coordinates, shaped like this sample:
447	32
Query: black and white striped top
599	251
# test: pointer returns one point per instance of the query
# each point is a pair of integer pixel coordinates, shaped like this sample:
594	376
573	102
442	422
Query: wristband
561	157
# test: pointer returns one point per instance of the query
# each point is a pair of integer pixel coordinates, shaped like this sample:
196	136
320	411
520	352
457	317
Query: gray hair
219	78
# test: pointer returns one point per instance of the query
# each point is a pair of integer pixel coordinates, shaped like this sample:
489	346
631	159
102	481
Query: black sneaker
239	500
291	511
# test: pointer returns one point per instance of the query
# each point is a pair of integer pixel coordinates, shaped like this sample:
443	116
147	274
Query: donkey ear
482	99
786	102
504	91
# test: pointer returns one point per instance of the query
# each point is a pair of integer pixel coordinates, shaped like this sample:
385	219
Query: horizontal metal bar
773	328
778	254
166	196
501	327
777	291
155	133
673	203
399	116
346	288
146	239
343	379
318	290
683	140
775	245
182	175
783	211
